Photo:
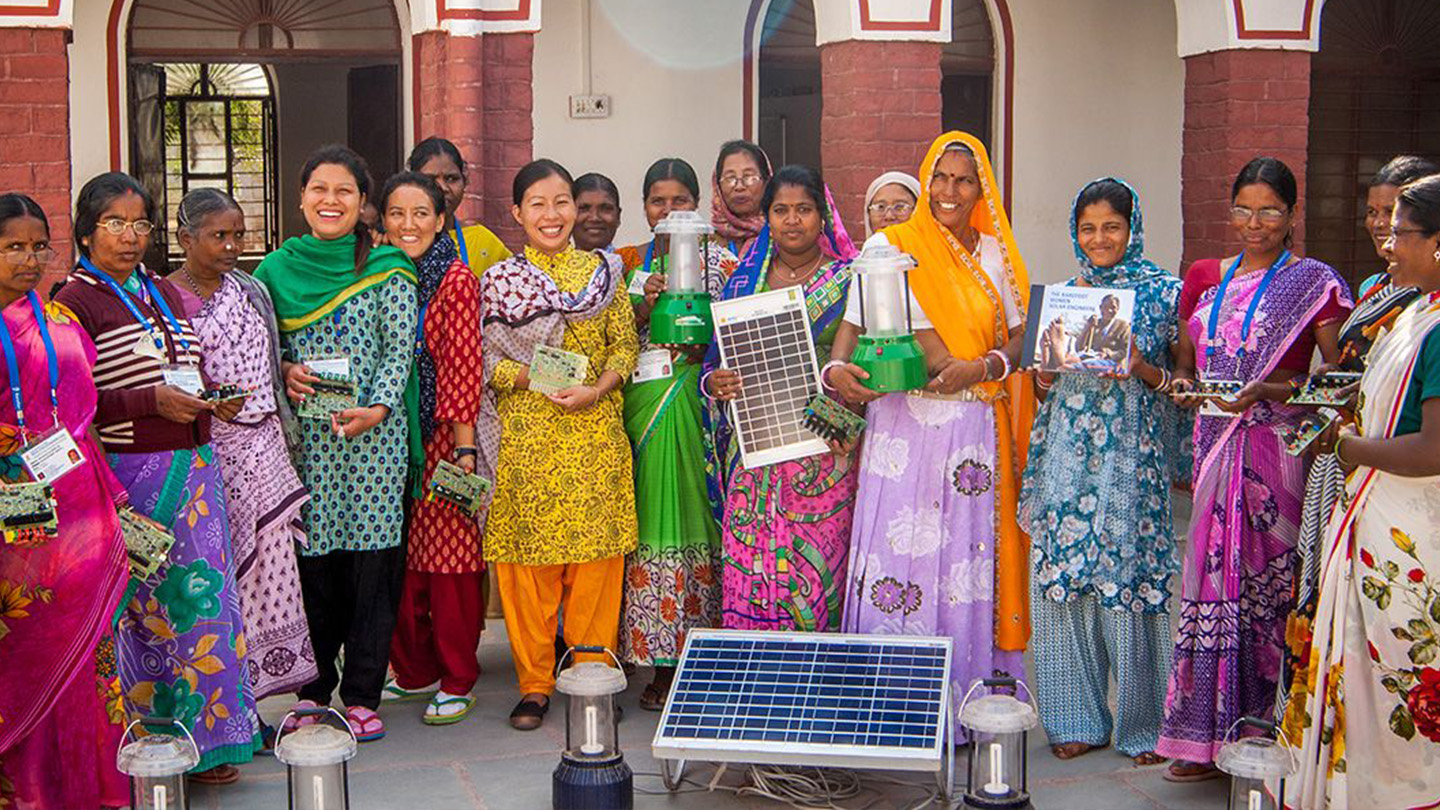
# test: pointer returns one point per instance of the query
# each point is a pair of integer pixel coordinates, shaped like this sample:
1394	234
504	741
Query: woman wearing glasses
181	639
890	200
741	172
1252	319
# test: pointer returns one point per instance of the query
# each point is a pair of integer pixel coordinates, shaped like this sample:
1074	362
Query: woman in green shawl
347	310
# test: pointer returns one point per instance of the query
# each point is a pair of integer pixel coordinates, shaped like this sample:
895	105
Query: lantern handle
594	649
159	720
1266	726
317	711
999	680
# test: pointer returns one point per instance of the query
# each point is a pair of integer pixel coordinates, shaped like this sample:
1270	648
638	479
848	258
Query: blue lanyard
1214	325
13	366
135	313
420	329
650	256
460	243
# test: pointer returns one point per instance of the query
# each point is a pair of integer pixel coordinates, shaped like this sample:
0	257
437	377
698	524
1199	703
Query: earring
1437	256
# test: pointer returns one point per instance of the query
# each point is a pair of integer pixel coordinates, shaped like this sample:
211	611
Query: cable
805	788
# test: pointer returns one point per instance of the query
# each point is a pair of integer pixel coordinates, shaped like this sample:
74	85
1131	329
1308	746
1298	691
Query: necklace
794	274
190	282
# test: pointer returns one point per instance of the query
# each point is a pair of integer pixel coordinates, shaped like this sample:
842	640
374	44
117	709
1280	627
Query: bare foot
1071	750
1184	771
1148	758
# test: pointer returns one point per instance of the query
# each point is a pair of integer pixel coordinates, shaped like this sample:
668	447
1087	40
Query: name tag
637	282
654	364
337	367
184	377
53	455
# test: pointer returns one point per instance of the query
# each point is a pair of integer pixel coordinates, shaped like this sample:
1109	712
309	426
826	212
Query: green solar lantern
682	313
888	350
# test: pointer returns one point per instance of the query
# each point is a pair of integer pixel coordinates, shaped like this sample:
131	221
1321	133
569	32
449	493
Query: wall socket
593	106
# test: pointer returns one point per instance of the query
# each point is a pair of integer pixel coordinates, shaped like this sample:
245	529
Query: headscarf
431	270
728	224
888	178
309	278
959	298
1133	268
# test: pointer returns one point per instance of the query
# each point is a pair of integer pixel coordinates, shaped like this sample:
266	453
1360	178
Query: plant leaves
1383	600
1390	684
1435	609
1424	651
210	665
1402	723
1401	633
1371	586
142	693
205	643
1391	570
221	710
1419	628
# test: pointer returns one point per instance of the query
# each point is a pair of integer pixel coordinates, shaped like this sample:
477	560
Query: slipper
393	691
435	714
1147	758
218	775
1190	772
528	715
365	723
653	698
292	723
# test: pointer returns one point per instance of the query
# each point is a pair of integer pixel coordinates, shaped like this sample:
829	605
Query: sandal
292	723
435	714
218	775
393	691
653	698
529	714
1183	771
365	723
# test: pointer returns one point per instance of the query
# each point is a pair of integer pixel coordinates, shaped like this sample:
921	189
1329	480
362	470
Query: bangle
1004	364
825	372
1041	385
1338	443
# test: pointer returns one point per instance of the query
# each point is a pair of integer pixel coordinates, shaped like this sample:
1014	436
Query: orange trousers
532	596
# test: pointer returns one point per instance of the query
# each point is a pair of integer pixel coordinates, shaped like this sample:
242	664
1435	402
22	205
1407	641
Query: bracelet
825	373
1166	381
1338	442
461	452
1004	365
1041	385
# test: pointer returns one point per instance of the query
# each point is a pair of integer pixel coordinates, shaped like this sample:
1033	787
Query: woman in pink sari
60	709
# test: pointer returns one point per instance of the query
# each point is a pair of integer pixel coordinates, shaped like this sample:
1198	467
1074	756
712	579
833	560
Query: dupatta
308	278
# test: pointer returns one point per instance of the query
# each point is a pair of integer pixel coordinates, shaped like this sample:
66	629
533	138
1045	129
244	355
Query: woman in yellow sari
936	548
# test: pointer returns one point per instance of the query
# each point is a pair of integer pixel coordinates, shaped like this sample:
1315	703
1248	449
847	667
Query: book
1078	329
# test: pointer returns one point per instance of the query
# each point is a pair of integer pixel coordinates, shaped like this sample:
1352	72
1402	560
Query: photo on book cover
1078	329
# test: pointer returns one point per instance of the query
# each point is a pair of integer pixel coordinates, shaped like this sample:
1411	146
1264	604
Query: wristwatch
463	451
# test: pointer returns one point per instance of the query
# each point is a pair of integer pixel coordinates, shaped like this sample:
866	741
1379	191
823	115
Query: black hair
199	204
735	147
1403	169
1268	171
595	181
535	171
1107	191
18	206
96	195
672	169
411	178
1421	199
433	147
800	176
337	155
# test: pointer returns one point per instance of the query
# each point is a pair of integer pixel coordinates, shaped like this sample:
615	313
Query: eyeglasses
736	181
142	227
42	257
1267	216
899	209
1396	232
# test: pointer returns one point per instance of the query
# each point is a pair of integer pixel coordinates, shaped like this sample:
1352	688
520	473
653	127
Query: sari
1371	706
61	716
1236	585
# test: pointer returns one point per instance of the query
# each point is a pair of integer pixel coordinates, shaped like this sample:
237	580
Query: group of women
992	503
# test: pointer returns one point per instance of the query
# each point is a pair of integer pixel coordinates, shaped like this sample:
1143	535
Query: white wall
89	110
673	73
1100	90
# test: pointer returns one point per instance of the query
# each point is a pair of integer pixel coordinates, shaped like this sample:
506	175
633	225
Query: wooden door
374	118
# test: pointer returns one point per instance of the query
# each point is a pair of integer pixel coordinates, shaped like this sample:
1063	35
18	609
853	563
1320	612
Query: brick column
449	103
1239	104
881	111
35	129
509	126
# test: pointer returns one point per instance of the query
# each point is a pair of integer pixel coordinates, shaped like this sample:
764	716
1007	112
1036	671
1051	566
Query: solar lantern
682	313
998	725
317	759
888	350
157	763
592	774
1254	761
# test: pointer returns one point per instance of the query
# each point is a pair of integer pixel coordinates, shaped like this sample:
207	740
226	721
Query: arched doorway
236	94
1374	93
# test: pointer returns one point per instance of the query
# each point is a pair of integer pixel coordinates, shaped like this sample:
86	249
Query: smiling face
117	254
215	247
954	189
891	205
331	201
1379	206
741	184
1103	234
24	237
795	221
547	213
597	218
666	196
1109	307
1261	219
1410	252
412	221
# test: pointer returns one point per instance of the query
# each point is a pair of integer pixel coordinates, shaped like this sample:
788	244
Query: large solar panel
766	337
788	698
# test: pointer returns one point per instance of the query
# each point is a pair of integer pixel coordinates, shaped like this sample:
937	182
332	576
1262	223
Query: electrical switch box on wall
593	106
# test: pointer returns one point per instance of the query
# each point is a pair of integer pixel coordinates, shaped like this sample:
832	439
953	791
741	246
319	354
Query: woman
181	639
563	515
741	173
672	581
440	160
347	303
936	547
1256	323
786	526
61	715
889	200
1370	706
1380	302
597	212
235	321
442	608
1095	501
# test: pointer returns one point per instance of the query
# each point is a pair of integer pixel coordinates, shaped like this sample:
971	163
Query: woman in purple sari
1257	323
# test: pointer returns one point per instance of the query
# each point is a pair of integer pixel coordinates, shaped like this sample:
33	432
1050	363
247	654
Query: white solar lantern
592	774
999	728
1252	762
317	760
157	764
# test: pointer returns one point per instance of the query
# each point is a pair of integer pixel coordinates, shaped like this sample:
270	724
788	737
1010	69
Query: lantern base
895	363
606	784
681	319
1019	801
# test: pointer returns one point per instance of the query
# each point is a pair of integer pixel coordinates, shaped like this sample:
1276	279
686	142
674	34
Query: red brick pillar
881	111
35	128
509	126
1239	104
450	99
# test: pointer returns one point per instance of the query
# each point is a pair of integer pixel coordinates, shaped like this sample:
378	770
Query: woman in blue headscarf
1096	502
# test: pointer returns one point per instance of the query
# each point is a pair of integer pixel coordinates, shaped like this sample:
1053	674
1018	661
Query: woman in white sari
1372	704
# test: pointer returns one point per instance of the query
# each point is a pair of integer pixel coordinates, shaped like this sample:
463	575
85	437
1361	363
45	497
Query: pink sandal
292	723
365	723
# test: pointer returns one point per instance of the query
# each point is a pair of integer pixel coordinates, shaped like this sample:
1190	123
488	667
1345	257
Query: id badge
52	455
335	367
145	347
637	282
185	377
654	364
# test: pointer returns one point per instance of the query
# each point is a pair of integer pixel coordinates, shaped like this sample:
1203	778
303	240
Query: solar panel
788	698
766	338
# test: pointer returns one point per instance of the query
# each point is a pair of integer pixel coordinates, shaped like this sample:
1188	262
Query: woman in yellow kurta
563	514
